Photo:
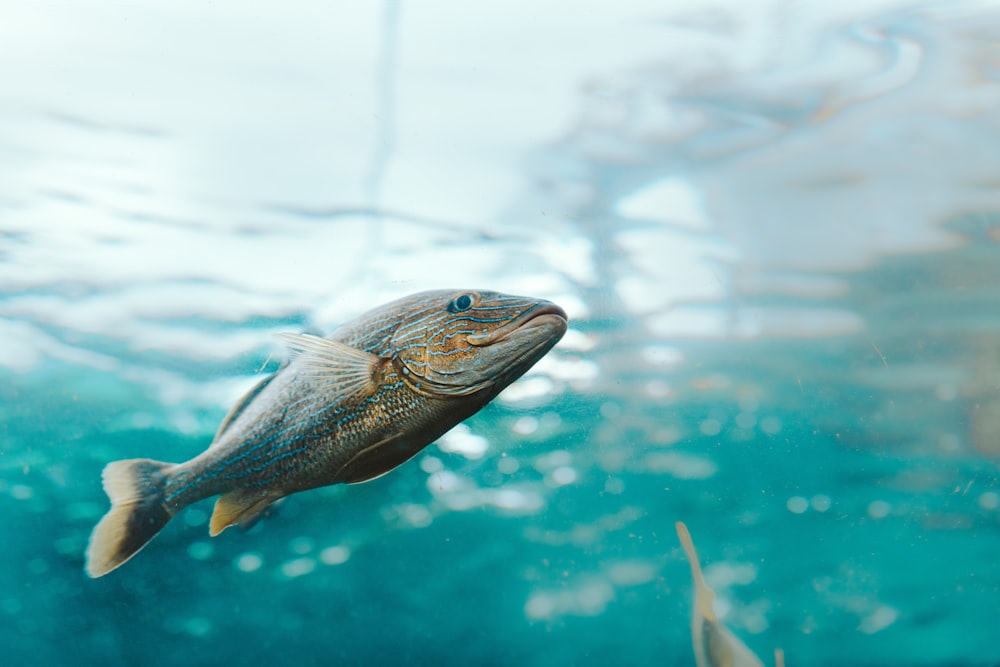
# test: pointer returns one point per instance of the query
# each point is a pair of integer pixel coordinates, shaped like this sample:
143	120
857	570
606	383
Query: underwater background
775	226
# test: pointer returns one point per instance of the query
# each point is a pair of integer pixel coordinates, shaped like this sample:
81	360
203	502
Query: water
775	227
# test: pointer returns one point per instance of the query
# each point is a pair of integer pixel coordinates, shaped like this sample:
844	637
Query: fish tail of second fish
137	490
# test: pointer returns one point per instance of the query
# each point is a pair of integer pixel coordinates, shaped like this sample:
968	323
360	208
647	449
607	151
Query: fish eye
460	303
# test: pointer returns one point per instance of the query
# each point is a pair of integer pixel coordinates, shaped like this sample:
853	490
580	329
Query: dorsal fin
241	405
704	597
714	644
334	367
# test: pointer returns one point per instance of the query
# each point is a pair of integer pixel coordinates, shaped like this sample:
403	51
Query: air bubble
821	502
563	475
335	555
508	465
525	426
989	500
431	464
301	545
710	427
298	567
200	550
797	504
879	509
249	562
195	517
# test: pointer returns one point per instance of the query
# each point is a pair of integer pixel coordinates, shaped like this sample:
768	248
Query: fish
714	644
343	409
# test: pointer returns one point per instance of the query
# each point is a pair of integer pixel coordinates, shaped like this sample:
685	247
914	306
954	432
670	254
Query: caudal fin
137	489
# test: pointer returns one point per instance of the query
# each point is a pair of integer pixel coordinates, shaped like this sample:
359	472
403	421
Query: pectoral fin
333	366
376	460
237	507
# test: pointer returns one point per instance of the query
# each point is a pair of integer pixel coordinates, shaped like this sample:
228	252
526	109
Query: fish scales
344	409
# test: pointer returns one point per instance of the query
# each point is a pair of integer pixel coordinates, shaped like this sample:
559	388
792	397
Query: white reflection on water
779	146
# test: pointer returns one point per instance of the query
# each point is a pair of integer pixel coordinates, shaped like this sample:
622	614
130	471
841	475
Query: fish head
462	342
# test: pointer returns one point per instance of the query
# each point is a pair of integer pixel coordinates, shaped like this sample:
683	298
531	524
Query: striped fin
334	367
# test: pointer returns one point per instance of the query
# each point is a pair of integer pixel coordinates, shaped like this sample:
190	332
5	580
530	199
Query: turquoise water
775	227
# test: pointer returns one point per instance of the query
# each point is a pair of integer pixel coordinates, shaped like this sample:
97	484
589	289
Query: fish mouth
544	315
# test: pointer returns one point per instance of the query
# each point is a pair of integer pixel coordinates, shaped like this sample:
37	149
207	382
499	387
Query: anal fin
238	507
266	512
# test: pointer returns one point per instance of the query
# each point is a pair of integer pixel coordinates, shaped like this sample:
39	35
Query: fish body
344	409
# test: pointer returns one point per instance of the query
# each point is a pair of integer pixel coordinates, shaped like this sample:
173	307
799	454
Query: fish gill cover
774	228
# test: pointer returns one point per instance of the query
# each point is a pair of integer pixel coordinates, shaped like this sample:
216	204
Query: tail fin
137	490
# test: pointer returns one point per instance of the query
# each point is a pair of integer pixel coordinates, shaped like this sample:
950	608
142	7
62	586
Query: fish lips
545	315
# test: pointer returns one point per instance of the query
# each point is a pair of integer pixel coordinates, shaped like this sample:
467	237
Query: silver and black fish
714	644
346	408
